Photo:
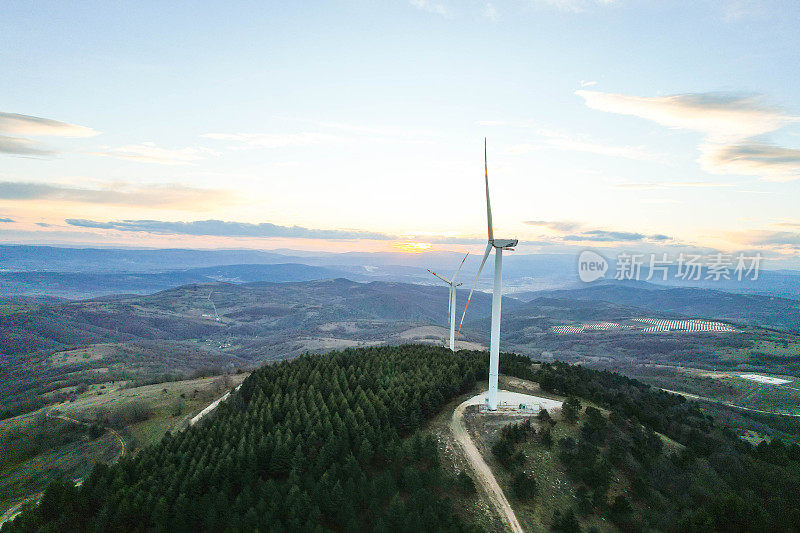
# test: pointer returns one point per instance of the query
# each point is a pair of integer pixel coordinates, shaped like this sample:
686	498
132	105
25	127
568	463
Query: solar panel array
656	325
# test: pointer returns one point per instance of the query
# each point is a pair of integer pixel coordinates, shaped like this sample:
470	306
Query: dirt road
712	400
482	471
123	446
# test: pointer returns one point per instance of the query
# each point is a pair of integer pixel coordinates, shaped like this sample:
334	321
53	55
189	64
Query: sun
413	247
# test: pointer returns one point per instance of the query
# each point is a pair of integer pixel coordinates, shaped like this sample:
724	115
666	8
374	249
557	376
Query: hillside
752	309
247	310
176	332
320	442
334	443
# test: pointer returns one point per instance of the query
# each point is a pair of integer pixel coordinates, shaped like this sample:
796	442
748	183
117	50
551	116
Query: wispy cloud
220	228
6	220
599	235
491	123
731	124
576	6
275	140
560	141
20	146
774	163
556	225
489	11
569	232
431	7
721	116
586	83
788	239
672	185
17	124
175	196
149	152
788	224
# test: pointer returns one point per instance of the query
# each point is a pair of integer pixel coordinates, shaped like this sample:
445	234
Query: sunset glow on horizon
334	130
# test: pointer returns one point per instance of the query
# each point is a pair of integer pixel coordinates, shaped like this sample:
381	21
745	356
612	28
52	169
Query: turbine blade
488	203
459	268
438	276
485	256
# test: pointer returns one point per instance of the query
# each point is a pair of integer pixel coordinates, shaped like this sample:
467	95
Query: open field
127	418
724	386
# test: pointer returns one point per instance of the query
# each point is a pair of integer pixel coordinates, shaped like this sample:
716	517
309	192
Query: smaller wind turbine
451	305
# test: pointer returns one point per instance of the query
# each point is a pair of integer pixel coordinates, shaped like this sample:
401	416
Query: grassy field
37	447
725	386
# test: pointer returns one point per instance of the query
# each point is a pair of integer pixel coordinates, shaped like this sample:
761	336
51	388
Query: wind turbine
451	305
499	245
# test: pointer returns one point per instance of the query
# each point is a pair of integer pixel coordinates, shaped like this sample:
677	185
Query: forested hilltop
319	443
331	443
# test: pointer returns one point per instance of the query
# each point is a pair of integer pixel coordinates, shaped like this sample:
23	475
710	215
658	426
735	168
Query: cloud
730	123
431	7
149	152
275	140
672	185
719	115
599	235
489	11
773	163
788	224
220	228
177	196
556	225
768	238
44	224
562	141
576	6
16	124
20	146
595	235
586	83
4	220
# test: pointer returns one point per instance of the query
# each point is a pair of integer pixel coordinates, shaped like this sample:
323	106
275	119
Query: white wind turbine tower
451	305
499	245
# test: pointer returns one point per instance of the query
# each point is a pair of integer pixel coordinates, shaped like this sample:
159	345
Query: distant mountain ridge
255	312
82	285
751	309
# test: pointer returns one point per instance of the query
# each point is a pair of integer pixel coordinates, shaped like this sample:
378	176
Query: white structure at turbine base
451	303
499	245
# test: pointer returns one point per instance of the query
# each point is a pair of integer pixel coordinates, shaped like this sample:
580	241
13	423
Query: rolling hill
752	309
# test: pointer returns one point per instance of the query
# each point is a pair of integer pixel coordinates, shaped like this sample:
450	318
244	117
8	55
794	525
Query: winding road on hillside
712	400
481	469
12	512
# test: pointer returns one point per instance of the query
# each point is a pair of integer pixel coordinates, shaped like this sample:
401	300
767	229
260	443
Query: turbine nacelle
504	244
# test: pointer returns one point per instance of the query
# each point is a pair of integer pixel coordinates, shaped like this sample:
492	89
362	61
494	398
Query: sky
359	125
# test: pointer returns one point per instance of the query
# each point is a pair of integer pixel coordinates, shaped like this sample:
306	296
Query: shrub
524	486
